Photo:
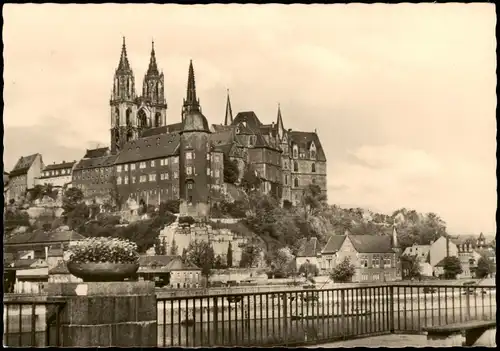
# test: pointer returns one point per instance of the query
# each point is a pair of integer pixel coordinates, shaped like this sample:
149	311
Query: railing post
391	309
216	321
342	312
467	304
284	300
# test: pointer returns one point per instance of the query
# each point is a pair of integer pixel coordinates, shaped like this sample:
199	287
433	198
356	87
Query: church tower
122	102
153	96
194	167
286	162
228	120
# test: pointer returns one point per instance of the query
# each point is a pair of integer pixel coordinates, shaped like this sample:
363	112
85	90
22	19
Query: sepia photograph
249	175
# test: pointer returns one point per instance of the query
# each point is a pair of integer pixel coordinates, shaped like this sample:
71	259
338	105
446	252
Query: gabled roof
62	165
170	128
163	263
304	140
333	244
308	247
222	137
99	152
249	117
23	165
96	162
362	243
148	148
61	268
29	263
41	237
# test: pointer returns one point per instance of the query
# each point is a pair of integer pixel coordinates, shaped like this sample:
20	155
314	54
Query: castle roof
62	165
249	117
170	128
23	165
41	237
304	139
104	161
98	152
195	121
148	148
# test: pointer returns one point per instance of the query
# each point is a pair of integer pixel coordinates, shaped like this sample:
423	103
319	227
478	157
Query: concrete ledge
460	327
101	289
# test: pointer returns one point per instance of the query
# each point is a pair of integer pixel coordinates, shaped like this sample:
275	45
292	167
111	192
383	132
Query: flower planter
103	271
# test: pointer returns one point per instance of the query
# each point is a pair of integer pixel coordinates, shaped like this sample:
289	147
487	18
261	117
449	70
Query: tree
343	272
410	266
219	263
250	181
312	199
485	267
309	270
71	198
229	257
231	171
283	262
201	254
452	267
184	254
169	206
114	193
250	256
174	248
78	216
158	247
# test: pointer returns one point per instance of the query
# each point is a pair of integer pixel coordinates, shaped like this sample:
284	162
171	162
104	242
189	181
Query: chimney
289	130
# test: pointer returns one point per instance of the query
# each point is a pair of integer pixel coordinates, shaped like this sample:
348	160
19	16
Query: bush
344	271
186	220
112	250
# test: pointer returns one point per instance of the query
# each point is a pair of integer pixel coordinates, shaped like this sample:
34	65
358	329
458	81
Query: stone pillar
119	314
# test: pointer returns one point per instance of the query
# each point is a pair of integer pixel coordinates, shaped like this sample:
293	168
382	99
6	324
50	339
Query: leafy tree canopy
452	267
343	272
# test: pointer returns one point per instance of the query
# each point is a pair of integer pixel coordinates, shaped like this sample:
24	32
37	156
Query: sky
403	97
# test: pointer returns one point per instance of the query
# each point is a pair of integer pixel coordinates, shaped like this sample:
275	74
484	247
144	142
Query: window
313	154
119	180
166	176
364	277
132	166
162	162
208	156
295	151
190	186
176	159
286	180
296	182
387	262
189	155
165	162
142	165
176	175
217	158
376	261
376	276
162	175
152	177
119	168
125	167
208	171
143	179
125	179
216	173
189	170
363	261
313	168
152	163
133	179
295	166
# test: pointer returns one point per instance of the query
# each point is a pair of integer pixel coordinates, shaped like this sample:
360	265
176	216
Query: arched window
117	117
158	119
286	180
313	168
128	86
158	87
142	119
296	182
295	151
295	166
128	118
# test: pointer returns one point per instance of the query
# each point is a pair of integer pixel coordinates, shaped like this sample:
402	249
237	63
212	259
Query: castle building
57	174
24	175
152	161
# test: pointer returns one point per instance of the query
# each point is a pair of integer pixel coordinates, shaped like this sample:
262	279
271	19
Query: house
441	248
31	275
38	243
57	174
422	252
375	257
168	270
23	177
309	251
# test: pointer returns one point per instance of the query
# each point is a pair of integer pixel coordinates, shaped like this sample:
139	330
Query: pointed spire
229	112
395	243
153	67
124	65
191	103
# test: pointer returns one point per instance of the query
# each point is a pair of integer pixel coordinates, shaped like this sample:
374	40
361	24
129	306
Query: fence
32	323
293	318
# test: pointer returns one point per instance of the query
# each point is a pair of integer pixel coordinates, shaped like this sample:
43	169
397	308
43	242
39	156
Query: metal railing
308	316
32	323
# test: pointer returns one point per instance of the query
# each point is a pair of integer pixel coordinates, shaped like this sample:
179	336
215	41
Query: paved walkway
391	340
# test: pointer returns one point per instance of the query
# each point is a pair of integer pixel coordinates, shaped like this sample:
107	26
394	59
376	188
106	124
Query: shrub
112	250
343	272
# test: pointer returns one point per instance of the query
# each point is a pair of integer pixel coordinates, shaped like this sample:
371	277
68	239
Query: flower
101	249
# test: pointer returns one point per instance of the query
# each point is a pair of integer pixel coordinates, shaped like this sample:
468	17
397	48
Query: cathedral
151	161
